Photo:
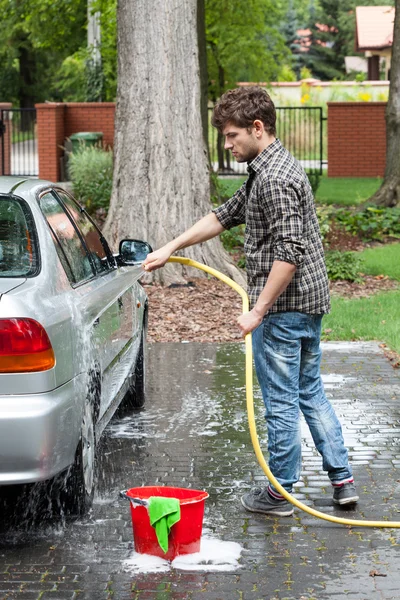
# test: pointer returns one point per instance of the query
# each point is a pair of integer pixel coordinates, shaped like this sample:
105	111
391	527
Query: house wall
319	92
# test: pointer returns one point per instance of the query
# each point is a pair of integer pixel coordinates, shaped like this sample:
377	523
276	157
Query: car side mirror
133	252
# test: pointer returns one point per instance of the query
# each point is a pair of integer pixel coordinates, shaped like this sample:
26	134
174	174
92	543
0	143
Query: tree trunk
27	72
161	177
389	192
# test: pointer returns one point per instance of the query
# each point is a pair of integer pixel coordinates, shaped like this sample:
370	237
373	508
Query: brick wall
356	139
91	116
57	121
5	162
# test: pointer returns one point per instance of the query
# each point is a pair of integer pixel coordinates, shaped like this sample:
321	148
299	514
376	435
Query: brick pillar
50	136
5	142
356	139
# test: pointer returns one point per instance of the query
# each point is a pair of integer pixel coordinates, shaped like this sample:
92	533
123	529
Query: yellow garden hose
250	411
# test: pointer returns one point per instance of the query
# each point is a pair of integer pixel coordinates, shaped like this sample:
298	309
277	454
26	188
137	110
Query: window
99	252
71	251
19	255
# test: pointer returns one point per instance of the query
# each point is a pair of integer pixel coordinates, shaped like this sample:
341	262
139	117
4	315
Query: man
288	290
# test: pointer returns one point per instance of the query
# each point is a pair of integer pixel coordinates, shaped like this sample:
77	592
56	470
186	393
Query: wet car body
60	283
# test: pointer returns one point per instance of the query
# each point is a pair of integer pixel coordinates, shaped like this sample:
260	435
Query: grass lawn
382	260
346	191
374	318
343	191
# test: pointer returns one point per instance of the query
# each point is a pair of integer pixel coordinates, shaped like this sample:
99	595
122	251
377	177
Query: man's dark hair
242	106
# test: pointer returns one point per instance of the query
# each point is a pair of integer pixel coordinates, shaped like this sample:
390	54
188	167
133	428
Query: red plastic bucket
185	535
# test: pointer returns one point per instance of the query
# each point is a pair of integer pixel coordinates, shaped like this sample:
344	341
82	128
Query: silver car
73	322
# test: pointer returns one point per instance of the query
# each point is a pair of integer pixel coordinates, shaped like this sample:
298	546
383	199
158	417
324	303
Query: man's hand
156	259
248	322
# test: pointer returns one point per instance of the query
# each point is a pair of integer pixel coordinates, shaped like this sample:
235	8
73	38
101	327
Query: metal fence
18	142
301	130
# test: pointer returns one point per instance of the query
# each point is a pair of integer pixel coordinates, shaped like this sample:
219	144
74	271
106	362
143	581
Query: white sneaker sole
351	500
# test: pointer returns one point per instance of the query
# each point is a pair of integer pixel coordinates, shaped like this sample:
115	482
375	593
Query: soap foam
214	555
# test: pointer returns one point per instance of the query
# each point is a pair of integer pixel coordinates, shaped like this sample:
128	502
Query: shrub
371	223
91	171
233	239
314	178
324	214
343	265
286	74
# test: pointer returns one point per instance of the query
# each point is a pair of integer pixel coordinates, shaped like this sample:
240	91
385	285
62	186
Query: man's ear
258	127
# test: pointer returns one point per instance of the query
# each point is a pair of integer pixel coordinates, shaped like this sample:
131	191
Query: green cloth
163	514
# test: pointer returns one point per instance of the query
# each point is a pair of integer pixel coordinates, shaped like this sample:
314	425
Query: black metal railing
301	130
18	142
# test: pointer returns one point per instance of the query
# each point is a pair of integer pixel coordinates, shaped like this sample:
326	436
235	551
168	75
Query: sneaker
258	500
345	494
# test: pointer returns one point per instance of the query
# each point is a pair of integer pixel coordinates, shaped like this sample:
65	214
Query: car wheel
136	394
79	484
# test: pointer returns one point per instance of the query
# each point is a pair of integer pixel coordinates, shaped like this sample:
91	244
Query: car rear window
18	247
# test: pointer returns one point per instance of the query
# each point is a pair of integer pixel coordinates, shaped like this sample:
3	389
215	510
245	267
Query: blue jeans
287	357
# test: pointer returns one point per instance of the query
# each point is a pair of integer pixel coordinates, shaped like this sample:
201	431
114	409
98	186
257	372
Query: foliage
324	214
286	74
233	241
91	172
72	78
305	73
95	81
243	43
371	223
314	177
324	58
35	37
289	30
343	265
228	186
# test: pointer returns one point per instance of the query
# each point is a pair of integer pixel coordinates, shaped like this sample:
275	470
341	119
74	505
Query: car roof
21	185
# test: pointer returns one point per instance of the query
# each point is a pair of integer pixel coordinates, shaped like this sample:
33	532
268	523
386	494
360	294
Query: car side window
100	254
72	253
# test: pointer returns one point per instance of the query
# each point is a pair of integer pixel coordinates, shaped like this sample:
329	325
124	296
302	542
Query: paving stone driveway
193	433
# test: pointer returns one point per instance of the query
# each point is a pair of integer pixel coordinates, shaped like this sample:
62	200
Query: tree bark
161	177
389	192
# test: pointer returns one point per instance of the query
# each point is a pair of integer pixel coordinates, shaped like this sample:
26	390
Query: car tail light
24	347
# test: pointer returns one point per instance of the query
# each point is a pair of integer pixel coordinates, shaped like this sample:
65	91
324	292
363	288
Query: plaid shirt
277	205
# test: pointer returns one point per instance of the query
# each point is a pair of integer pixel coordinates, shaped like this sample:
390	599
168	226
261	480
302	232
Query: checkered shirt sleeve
281	206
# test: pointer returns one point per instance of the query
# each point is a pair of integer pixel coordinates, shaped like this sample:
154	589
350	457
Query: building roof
304	40
374	27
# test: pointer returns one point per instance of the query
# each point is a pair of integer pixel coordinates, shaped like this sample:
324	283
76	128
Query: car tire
79	484
136	394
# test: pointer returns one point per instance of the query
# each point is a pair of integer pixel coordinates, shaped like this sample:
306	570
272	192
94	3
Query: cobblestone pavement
193	433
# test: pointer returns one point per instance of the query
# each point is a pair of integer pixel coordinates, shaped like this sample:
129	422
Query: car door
93	275
121	342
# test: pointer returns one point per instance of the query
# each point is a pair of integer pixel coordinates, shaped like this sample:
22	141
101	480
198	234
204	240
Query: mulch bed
205	309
